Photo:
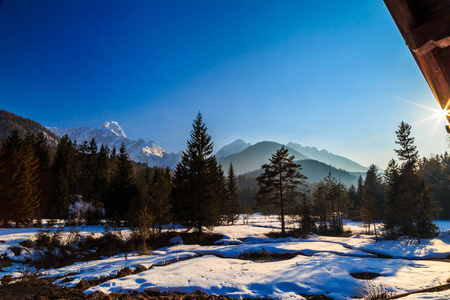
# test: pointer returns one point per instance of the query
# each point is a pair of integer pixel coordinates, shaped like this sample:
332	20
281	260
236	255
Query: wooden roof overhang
425	27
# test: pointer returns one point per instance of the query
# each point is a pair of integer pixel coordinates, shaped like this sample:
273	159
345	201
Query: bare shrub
370	290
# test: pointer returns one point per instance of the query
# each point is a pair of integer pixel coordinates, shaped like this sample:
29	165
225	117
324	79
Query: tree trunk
283	231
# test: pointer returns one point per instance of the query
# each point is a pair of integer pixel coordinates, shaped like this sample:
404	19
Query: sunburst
439	114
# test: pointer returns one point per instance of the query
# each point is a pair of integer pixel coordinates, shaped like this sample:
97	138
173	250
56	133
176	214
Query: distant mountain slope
9	121
253	157
233	148
316	171
112	135
337	161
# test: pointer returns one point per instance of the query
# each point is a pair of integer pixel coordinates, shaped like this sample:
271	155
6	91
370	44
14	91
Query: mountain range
246	158
112	135
253	157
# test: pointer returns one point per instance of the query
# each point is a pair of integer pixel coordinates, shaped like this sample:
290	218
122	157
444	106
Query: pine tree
198	190
393	212
232	196
158	195
280	185
372	199
9	177
330	200
414	193
359	192
408	151
123	195
42	152
29	193
353	212
19	179
63	178
101	178
90	169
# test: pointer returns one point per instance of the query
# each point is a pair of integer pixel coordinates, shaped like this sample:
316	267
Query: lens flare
442	114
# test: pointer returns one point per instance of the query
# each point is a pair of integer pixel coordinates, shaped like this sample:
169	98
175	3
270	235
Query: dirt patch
264	256
365	275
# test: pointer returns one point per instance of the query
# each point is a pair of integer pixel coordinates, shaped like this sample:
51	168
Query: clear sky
326	73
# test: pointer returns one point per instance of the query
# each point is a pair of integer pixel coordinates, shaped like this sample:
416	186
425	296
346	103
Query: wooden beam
430	45
435	33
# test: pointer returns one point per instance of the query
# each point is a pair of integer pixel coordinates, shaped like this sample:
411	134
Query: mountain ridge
254	156
315	171
332	159
112	135
9	121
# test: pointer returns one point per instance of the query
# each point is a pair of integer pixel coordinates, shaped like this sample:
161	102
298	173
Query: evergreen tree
122	202
159	193
63	178
90	169
198	191
359	193
29	193
414	193
19	179
232	196
353	212
393	212
372	199
408	151
280	185
101	176
42	152
9	177
330	200
307	222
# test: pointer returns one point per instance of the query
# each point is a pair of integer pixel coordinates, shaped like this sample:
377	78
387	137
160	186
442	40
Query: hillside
253	157
9	121
316	171
329	158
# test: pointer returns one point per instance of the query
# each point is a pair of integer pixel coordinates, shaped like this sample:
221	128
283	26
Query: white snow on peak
115	128
111	134
152	149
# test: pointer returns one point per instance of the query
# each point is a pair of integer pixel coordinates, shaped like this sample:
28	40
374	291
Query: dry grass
370	290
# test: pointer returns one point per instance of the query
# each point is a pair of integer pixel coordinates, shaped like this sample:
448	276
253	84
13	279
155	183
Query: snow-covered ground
317	265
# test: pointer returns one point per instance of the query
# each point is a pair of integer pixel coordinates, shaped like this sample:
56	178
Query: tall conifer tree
63	178
197	193
372	199
123	196
232	196
280	185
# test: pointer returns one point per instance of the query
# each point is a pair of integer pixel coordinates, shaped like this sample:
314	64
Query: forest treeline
38	180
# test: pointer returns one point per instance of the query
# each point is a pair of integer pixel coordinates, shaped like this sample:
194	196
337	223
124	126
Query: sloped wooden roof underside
425	27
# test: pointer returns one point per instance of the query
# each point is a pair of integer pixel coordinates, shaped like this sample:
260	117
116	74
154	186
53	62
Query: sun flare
442	114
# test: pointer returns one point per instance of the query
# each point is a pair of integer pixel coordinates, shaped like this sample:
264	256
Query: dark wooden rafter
425	27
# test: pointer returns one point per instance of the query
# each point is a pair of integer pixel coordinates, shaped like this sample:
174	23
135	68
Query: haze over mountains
246	158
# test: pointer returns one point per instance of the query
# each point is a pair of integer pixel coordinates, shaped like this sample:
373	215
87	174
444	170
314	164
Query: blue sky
330	74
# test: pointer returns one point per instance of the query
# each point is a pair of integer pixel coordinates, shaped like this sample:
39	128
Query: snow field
322	265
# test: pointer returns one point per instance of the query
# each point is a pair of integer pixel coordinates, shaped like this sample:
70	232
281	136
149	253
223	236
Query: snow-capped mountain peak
112	135
114	127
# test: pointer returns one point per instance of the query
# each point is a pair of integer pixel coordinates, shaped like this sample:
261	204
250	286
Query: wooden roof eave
429	43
